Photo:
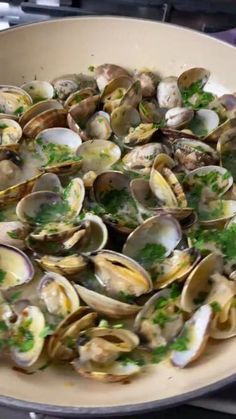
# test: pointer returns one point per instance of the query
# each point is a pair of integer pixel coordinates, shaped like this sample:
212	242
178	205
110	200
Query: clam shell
10	134
106	72
116	372
105	305
28	358
160	229
67	265
16	267
193	75
168	94
47	119
98	155
39	90
37	109
123	118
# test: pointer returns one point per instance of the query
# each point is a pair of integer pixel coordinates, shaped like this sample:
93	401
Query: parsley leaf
2	276
159	353
216	307
151	254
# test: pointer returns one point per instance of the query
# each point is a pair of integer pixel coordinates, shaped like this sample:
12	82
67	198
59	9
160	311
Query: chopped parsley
19	110
161	303
151	254
126	360
13	234
126	298
23	338
216	307
47	331
159	353
229	161
175	291
161	318
57	153
51	212
3	126
2	276
195	97
91	68
181	343
114	199
224	240
3	326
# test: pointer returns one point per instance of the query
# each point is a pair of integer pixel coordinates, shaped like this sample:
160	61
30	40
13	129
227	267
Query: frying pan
49	49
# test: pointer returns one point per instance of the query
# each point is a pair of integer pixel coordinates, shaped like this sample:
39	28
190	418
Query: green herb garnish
151	254
2	276
126	298
19	110
159	353
195	97
47	331
181	343
52	212
200	298
57	153
23	338
161	318
216	307
15	296
161	303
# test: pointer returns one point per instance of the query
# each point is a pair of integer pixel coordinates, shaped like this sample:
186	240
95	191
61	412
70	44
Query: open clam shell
13	233
118	274
32	204
148	82
217	212
149	111
105	73
14	193
193	75
159	321
10	134
14	100
115	372
226	147
160	230
196	329
58	294
39	90
62	344
99	354
48	119
123	118
15	267
77	96
223	325
178	117
221	129
141	158
37	109
98	155
48	182
27	337
63	265
204	122
83	110
142	134
105	305
192	154
198	284
98	126
133	96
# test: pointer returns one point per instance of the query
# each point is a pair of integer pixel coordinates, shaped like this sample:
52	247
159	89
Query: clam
15	267
159	321
62	344
13	233
156	237
47	119
115	91
148	81
123	118
58	146
165	185
217	212
39	90
83	110
48	182
142	134
26	340
99	350
193	75
105	305
112	191
7	316
192	154
58	294
13	100
65	85
208	183
133	96
178	117
10	134
44	207
63	265
195	332
221	129
77	96
199	283
97	232
174	268
149	111
223	325
204	122
98	126
168	94
98	155
106	72
37	109
119	274
141	158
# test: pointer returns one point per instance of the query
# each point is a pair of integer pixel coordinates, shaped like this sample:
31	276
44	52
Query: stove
215	17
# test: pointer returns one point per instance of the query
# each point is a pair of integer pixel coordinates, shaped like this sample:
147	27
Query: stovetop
216	17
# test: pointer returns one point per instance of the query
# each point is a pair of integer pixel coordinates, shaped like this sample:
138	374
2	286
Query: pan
43	51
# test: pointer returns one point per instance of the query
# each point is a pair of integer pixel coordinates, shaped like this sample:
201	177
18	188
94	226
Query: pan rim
128	409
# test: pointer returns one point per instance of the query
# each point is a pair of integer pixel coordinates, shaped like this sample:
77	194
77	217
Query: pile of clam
103	181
